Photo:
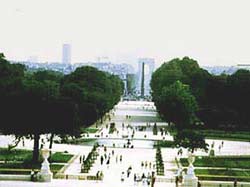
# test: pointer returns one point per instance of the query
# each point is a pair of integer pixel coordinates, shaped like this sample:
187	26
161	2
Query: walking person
128	173
142	164
108	161
122	176
97	176
199	184
120	158
176	181
116	159
153	179
80	159
235	183
135	179
102	160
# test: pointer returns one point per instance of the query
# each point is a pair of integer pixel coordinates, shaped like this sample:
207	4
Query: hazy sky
215	32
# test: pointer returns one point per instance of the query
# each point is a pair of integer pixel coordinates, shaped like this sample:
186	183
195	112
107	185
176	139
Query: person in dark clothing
176	181
199	184
102	160
235	183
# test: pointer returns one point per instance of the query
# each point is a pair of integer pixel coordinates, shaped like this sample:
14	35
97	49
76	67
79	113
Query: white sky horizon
212	32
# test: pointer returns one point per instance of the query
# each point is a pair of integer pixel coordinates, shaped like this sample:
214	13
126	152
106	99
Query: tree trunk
36	148
51	140
50	143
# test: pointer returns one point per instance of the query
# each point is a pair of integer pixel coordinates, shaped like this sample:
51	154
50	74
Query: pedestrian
32	173
80	159
101	175
150	165
143	176
23	142
120	158
108	161
199	184
102	160
128	173
235	183
153	179
176	181
181	151
142	164
122	177
97	175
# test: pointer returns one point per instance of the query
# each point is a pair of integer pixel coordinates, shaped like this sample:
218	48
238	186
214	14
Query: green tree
176	87
178	105
190	139
94	90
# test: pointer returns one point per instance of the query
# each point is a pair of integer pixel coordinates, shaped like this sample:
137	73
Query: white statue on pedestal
45	175
190	179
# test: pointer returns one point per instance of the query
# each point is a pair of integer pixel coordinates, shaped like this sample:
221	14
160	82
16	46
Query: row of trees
188	96
228	102
49	102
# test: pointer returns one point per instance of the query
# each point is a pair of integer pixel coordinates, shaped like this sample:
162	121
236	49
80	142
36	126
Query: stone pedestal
211	152
190	180
45	175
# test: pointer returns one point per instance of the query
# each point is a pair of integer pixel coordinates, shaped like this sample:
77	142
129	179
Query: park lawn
227	135
60	157
164	143
19	161
14	155
150	119
222	175
220	161
222	172
20	155
80	141
89	130
19	168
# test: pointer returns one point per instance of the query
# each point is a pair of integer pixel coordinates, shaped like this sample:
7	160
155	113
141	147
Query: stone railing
15	177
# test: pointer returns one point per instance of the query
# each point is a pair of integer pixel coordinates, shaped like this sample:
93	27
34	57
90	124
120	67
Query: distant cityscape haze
212	32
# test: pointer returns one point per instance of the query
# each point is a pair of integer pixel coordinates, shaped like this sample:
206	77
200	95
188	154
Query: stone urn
211	152
45	175
190	179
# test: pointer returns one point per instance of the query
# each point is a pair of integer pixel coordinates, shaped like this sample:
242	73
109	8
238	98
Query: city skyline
211	32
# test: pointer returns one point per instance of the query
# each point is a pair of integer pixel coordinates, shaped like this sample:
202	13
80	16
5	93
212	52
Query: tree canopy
50	102
185	94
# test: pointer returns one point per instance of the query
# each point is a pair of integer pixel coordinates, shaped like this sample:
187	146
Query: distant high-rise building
144	77
66	54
